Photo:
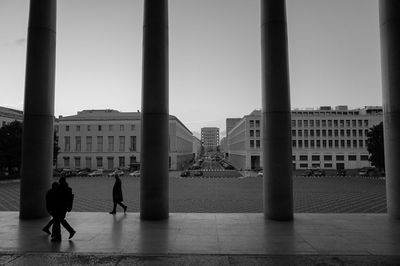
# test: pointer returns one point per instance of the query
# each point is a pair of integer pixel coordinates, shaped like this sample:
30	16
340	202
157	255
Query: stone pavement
204	239
225	195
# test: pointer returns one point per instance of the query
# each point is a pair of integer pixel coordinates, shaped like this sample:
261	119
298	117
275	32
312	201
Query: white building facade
325	138
210	138
109	139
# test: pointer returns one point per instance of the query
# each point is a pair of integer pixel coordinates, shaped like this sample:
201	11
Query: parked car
260	174
116	173
98	172
83	173
318	172
66	172
135	173
198	173
341	172
368	171
185	173
307	172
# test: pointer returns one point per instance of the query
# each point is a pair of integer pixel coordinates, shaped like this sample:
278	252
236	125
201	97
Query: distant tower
210	138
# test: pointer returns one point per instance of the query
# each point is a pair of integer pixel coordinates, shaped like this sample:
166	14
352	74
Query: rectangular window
257	133
335	123
305	123
77	162
342	143
303	157
330	143
300	133
132	159
342	132
329	133
354	133
300	143
353	123
360	143
347	123
312	143
110	143
317	123
99	162
303	165
99	127
315	157
329	123
318	132
323	143
132	127
339	157
318	143
327	157
293	123
360	123
306	143
133	143
257	123
258	143
336	132
341	123
293	143
366	133
336	143
311	133
66	162
88	143
99	143
121	127
251	133
88	162
78	128
67	143
110	127
323	123
348	142
293	133
251	143
324	132
348	132
121	161
88	128
327	165
299	123
364	157
305	132
66	128
365	123
121	143
251	123
360	132
354	143
78	143
311	123
352	157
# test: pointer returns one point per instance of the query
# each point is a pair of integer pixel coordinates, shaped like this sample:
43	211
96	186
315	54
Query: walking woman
117	195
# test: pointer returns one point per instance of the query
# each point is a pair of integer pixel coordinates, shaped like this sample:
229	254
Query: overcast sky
215	65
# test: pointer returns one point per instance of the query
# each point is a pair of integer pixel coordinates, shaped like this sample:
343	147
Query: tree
56	149
376	147
10	147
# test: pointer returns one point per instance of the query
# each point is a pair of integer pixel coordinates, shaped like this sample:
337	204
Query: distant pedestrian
64	204
117	195
51	198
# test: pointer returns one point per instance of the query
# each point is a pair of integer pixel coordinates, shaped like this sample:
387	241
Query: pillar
154	152
37	134
390	58
276	145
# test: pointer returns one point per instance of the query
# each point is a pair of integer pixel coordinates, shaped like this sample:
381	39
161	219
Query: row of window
110	147
256	142
98	127
317	165
255	122
330	157
257	133
329	143
330	123
330	133
86	162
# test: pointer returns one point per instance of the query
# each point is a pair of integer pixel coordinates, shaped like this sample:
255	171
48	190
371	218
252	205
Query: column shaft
154	181
390	57
37	135
277	149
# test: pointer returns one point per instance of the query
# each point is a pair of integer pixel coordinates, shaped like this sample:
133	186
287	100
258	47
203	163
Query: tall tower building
210	138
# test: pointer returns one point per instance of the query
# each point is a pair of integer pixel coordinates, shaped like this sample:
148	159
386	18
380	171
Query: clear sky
215	65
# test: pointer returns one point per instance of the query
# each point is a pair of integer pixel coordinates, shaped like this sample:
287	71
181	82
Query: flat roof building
326	138
8	115
210	138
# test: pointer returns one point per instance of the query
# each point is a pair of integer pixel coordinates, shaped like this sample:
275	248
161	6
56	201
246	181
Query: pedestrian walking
51	198
64	202
117	195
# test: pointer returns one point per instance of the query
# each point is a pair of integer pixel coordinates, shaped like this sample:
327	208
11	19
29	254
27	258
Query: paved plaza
224	195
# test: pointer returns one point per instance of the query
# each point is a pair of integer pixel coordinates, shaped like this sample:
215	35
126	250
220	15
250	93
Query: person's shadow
117	230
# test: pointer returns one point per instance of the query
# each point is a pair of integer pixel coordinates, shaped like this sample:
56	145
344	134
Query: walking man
117	195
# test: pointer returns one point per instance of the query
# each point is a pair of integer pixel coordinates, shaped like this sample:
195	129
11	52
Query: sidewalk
209	238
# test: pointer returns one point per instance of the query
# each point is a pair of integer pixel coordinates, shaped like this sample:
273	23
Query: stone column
37	135
154	151
276	116
390	57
